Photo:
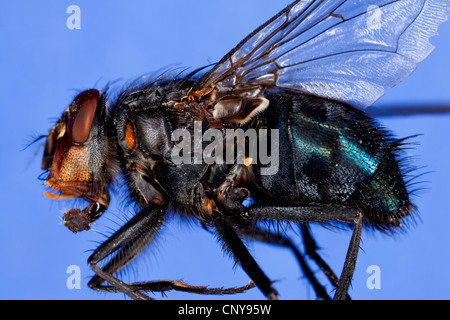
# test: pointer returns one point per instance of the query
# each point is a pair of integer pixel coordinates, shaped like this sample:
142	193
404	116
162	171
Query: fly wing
345	50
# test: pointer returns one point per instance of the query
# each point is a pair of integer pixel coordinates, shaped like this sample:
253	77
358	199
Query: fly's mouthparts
55	196
78	220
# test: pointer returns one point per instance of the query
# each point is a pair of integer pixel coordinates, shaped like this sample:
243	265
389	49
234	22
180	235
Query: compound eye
80	121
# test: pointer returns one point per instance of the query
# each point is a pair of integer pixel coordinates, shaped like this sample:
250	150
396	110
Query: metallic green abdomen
333	153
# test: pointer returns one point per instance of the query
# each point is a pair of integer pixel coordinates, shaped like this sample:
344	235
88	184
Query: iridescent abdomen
331	153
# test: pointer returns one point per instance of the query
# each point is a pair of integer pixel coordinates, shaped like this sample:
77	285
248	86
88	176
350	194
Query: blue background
43	63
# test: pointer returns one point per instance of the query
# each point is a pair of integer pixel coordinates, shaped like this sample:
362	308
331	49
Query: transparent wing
346	50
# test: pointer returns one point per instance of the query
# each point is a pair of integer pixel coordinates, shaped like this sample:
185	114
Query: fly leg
311	251
126	244
350	261
126	241
319	213
254	233
124	254
236	247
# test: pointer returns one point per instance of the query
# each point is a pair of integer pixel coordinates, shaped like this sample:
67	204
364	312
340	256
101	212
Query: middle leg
253	232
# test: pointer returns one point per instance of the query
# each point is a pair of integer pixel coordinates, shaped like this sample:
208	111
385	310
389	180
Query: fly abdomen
372	155
335	154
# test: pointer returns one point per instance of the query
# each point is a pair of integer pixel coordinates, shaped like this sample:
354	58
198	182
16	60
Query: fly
286	106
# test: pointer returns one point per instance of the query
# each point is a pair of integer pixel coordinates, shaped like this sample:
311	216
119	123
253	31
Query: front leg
139	229
125	245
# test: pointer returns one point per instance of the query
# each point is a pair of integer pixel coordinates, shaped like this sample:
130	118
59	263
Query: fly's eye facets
80	122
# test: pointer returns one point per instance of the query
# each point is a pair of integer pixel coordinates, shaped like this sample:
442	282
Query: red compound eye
80	122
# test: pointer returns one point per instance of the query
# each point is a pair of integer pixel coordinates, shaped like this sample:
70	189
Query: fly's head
77	158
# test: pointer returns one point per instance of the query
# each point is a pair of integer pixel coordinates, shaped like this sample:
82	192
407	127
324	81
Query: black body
330	153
